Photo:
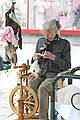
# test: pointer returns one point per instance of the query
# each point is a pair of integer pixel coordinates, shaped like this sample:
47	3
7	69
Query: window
20	11
66	11
32	13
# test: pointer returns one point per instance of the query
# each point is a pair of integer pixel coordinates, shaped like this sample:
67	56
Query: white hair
54	24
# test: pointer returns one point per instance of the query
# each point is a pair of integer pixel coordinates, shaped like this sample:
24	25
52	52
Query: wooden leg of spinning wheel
20	109
14	57
20	102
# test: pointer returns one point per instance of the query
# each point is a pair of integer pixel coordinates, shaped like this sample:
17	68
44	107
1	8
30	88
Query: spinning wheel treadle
28	93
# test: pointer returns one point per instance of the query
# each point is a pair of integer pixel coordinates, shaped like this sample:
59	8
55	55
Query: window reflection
20	11
62	10
32	13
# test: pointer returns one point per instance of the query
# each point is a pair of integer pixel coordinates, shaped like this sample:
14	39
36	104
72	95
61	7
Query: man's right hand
37	56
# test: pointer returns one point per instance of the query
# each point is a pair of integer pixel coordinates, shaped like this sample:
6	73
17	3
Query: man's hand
48	55
37	56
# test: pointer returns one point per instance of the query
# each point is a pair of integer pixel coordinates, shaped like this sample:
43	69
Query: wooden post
23	77
14	57
20	102
20	109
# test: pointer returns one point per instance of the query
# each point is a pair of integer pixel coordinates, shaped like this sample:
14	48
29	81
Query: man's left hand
48	55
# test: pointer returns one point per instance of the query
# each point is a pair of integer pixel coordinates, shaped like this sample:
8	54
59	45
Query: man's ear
58	24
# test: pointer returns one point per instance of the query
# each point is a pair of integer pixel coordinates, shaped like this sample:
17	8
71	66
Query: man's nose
48	35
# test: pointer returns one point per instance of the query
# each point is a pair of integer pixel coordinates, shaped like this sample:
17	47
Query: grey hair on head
53	23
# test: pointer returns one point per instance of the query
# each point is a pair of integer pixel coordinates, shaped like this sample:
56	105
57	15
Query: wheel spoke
29	100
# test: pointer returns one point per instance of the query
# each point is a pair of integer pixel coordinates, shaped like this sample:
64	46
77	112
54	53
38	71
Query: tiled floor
6	85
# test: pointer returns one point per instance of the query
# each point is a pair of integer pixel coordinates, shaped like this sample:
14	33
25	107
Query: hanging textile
11	20
7	44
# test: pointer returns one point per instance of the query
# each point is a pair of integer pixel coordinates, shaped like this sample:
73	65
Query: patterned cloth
7	35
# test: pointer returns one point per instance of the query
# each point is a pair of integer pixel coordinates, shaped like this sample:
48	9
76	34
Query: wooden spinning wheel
23	99
27	94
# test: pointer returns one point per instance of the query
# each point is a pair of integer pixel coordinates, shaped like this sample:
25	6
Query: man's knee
42	90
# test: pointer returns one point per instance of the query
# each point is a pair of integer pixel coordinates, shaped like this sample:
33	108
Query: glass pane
20	11
32	13
66	11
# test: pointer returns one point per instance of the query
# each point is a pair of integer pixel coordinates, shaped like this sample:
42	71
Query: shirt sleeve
64	63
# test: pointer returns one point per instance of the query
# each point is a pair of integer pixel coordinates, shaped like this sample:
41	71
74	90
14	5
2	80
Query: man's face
50	34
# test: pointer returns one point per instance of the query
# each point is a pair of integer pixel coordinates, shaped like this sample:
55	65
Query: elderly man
53	59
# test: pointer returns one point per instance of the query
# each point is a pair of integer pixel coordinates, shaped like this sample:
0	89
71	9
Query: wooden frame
63	32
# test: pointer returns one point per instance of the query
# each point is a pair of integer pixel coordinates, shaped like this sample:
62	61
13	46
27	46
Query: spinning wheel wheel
28	93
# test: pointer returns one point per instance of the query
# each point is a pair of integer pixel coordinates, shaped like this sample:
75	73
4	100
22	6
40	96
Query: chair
70	75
